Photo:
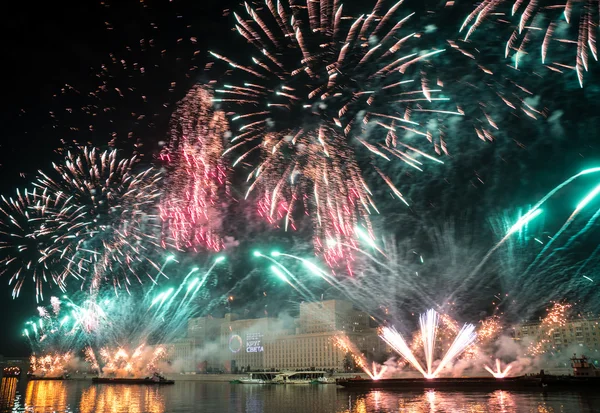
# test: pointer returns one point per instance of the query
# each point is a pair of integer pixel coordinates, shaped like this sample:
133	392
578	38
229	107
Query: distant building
184	351
242	341
206	329
331	315
583	332
7	364
232	344
313	345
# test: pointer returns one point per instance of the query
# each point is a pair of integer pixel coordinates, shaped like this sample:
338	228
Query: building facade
582	332
231	344
313	345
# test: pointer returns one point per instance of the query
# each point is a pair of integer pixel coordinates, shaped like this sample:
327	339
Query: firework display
105	224
374	371
25	240
115	332
51	365
192	203
429	325
326	85
547	26
120	363
58	328
556	318
340	127
90	219
499	373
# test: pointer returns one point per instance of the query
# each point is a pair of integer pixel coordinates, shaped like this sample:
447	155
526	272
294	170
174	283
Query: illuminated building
331	315
184	351
206	329
313	344
582	331
232	344
242	342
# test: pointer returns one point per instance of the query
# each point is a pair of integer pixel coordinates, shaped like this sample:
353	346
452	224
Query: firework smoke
499	373
374	371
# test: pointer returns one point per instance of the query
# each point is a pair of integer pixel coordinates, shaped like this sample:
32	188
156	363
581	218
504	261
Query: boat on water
266	377
585	377
325	380
531	382
299	377
155	379
489	383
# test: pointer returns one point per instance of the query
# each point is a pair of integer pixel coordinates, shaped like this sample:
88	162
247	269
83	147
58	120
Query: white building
231	344
583	332
314	344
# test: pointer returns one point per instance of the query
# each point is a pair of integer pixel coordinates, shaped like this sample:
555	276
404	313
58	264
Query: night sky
48	45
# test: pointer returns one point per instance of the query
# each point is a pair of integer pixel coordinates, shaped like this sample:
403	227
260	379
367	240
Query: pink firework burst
190	207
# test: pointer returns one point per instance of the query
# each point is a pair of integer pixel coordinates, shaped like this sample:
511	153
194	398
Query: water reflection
84	397
8	390
115	399
499	401
47	395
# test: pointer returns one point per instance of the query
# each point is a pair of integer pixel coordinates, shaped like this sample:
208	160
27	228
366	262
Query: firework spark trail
117	332
117	100
323	80
395	340
355	289
526	17
489	329
347	346
402	282
50	365
484	97
556	318
56	329
142	360
533	213
566	225
26	241
191	204
429	327
306	293
100	222
463	340
314	269
589	259
499	373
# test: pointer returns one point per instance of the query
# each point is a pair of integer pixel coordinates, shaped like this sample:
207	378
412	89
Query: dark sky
158	49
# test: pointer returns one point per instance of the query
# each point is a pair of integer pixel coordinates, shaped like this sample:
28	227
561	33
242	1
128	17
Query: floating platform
536	382
109	380
48	378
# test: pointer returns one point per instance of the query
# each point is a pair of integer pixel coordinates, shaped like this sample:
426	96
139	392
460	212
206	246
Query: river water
194	396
